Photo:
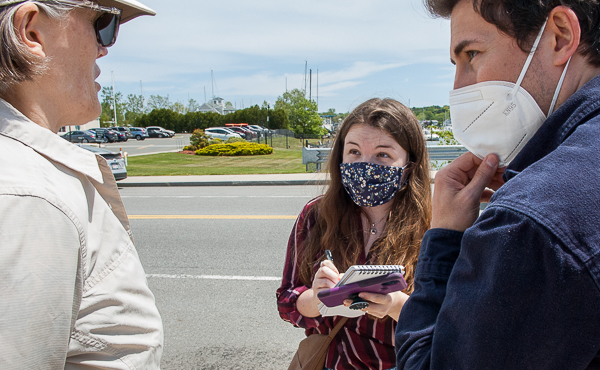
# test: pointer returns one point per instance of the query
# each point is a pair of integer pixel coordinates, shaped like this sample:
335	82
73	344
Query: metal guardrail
315	155
445	152
436	153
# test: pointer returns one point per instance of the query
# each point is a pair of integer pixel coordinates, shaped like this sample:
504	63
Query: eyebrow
378	146
461	46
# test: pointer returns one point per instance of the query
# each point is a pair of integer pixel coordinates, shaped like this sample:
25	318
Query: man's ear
566	33
27	23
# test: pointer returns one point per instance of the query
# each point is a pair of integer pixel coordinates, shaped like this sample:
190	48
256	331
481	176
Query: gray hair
17	64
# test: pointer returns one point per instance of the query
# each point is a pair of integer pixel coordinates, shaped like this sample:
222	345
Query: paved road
207	272
150	145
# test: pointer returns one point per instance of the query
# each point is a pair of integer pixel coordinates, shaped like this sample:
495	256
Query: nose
463	77
102	51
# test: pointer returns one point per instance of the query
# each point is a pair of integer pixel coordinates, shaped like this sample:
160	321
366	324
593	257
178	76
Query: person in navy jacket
517	286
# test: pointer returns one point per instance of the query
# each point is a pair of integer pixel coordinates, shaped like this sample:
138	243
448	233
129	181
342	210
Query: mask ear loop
528	61
406	171
558	87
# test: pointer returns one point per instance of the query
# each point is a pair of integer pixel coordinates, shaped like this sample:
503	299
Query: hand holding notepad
381	279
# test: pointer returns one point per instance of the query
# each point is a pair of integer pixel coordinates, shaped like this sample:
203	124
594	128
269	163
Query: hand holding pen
327	276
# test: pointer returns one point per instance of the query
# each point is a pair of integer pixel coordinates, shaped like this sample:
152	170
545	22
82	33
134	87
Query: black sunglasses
106	26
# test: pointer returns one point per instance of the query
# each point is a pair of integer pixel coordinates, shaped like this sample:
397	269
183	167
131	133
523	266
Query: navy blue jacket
520	288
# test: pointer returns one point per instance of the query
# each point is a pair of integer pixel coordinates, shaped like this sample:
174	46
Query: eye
383	155
471	54
353	151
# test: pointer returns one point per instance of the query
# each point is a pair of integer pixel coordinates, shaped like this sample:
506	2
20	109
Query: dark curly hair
522	19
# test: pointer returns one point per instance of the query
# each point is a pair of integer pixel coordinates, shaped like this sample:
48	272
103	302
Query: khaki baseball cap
131	8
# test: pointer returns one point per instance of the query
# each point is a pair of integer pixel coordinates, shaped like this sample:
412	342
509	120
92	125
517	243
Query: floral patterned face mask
371	185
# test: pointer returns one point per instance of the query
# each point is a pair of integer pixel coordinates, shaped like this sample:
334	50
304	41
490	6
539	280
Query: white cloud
253	46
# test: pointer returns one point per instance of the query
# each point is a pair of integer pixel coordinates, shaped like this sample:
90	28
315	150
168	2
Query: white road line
214	277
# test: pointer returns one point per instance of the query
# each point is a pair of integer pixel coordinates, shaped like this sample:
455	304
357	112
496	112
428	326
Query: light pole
268	106
113	96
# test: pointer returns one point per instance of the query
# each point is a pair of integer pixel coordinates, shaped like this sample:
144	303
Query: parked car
121	135
157	131
253	134
114	159
124	130
108	135
82	137
222	133
246	134
259	129
138	133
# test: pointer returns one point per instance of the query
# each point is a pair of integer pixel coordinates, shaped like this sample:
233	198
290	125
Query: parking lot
150	145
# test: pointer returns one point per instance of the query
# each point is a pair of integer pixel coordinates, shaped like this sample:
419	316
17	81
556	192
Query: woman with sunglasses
375	211
74	293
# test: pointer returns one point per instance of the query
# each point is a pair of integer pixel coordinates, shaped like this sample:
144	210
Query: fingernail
492	161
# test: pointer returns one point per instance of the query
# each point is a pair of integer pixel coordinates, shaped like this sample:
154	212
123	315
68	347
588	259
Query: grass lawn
173	164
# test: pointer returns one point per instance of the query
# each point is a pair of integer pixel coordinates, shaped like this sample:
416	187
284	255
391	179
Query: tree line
432	113
291	111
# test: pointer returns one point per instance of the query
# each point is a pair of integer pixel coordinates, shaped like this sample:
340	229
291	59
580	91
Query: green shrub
235	140
199	140
235	149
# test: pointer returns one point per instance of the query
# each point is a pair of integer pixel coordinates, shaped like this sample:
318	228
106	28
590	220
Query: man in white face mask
517	287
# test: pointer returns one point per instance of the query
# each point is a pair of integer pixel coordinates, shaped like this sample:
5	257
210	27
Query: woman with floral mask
375	211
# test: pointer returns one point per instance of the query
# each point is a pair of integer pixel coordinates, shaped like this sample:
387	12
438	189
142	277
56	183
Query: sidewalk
226	180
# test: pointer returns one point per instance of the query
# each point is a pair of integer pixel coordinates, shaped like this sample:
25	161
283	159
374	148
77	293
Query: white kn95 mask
497	116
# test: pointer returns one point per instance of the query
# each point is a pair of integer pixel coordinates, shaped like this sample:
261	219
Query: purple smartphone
382	284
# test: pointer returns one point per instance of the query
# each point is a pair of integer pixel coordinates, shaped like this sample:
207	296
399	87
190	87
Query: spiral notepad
363	272
354	274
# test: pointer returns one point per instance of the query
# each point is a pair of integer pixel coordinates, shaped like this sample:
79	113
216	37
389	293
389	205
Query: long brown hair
338	226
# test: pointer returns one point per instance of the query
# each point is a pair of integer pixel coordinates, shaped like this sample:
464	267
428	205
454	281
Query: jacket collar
581	106
15	125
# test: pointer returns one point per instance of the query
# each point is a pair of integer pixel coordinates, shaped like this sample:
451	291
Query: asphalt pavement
150	145
214	258
213	248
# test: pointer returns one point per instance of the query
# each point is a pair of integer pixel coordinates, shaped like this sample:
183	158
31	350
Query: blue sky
361	49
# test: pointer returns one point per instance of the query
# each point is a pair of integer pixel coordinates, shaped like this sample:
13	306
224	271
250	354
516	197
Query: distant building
216	105
93	124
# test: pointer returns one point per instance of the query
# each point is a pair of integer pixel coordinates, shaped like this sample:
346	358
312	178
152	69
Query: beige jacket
73	293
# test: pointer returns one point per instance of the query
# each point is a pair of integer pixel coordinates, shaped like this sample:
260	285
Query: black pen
328	254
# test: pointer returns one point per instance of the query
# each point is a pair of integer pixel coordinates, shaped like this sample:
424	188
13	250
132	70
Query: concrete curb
221	183
226	180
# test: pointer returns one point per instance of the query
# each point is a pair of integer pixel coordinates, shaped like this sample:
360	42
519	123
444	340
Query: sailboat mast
310	87
305	71
212	80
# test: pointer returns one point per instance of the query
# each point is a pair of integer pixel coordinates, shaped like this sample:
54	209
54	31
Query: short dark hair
522	19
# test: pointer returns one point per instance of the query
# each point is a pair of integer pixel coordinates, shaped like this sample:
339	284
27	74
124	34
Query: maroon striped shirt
363	342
